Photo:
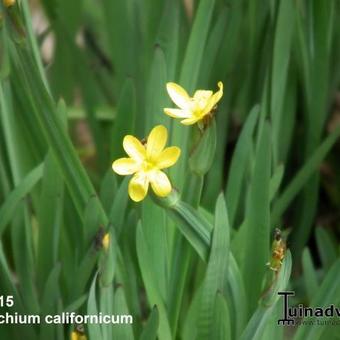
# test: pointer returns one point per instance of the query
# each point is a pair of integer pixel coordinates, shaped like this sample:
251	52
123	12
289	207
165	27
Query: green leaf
216	271
272	329
168	36
259	320
8	209
214	45
51	124
319	37
195	49
125	118
256	227
301	178
239	163
85	272
151	327
49	218
20	152
108	190
309	274
120	16
221	323
156	96
75	305
92	221
21	237
238	297
327	294
197	231
4	59
190	323
119	206
327	247
193	226
275	181
107	302
281	57
49	302
153	293
155	233
288	122
92	308
121	331
33	40
8	287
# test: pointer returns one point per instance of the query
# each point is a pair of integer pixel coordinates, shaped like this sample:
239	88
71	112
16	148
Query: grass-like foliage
195	257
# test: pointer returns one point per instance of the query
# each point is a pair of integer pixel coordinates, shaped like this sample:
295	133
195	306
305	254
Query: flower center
198	105
148	165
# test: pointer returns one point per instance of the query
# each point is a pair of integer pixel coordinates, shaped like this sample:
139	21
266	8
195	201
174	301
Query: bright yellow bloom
192	109
8	3
106	241
75	335
146	162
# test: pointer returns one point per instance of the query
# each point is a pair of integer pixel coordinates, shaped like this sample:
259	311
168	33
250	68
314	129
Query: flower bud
8	3
107	262
203	155
106	241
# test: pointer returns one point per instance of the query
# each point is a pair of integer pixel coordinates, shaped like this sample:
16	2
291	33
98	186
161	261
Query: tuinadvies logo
292	315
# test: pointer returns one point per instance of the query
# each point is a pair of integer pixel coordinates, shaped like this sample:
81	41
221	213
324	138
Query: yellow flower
75	335
192	109
146	162
8	3
106	241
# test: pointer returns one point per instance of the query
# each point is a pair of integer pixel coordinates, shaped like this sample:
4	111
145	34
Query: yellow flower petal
125	166
156	141
202	94
160	183
177	113
134	148
138	186
168	157
201	99
216	97
178	95
78	336
190	121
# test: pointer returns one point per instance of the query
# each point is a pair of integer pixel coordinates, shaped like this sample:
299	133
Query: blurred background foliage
76	76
